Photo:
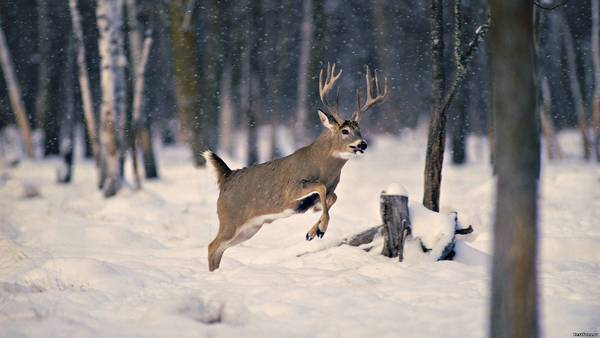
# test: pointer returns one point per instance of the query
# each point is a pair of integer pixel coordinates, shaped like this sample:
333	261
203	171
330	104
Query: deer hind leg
318	230
216	248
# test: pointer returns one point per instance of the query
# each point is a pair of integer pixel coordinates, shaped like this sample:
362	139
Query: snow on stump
404	222
396	220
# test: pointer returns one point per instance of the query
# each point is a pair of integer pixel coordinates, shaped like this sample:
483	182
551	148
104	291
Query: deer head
344	135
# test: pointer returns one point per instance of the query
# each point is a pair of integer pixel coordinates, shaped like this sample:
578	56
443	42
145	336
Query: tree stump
396	222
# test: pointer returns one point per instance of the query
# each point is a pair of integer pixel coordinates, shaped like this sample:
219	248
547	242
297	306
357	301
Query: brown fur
287	183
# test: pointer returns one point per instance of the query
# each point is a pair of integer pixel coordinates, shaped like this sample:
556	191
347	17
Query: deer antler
371	100
325	87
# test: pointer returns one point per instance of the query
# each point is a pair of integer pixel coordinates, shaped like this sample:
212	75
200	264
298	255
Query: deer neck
322	154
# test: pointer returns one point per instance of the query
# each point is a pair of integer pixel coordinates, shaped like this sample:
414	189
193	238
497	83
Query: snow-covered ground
75	264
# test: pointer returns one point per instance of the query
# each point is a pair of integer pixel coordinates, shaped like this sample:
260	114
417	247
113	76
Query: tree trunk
112	111
396	222
441	101
212	69
553	149
226	114
142	125
254	78
16	99
437	125
137	107
301	109
52	22
187	87
459	130
582	120
514	278
317	54
84	80
595	36
67	139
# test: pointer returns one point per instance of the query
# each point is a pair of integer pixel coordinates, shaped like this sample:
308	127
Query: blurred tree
187	82
576	93
69	118
303	72
595	36
212	67
141	131
16	98
112	111
53	20
318	51
84	80
254	75
514	304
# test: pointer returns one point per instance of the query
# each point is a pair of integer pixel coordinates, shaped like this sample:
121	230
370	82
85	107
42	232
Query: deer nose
362	145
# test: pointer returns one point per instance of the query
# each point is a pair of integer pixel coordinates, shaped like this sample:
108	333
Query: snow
396	189
75	264
435	230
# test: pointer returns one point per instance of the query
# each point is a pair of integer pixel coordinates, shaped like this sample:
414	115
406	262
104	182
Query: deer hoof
309	237
320	233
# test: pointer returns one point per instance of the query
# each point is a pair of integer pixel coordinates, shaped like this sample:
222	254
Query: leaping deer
253	196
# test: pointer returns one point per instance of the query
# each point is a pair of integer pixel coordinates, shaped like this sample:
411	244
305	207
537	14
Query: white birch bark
112	111
138	95
14	92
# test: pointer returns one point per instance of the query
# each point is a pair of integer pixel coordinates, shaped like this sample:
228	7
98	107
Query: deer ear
327	120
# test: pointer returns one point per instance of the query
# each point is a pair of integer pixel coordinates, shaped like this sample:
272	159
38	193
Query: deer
253	196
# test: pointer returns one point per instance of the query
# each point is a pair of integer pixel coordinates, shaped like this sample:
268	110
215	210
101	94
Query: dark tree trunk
254	78
514	300
187	86
53	22
212	69
16	99
437	125
459	128
317	53
576	93
595	36
68	124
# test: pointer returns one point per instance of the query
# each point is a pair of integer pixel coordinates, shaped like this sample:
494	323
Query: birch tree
141	132
14	91
110	25
514	298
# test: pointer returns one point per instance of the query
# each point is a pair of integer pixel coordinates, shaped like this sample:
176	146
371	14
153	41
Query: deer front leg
321	226
331	198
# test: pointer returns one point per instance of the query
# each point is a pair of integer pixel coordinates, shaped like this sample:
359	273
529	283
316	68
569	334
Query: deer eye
345	131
